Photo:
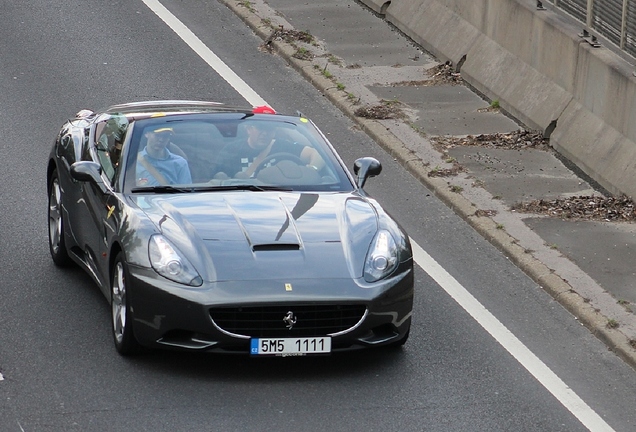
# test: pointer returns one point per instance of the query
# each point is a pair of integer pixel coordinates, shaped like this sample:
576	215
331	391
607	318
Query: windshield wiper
162	189
242	187
218	188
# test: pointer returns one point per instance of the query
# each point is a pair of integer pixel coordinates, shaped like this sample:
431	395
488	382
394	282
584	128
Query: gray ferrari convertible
223	229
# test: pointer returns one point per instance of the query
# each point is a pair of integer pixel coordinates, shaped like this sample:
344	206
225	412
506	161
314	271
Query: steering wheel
278	157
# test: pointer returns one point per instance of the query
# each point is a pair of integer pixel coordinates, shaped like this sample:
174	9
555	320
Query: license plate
290	346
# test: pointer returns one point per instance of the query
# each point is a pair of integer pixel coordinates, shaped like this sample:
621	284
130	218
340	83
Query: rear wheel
123	335
57	244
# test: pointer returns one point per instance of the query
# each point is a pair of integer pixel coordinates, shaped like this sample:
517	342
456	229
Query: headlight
170	263
382	258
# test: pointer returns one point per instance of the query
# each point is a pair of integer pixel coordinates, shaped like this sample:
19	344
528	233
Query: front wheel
57	243
123	335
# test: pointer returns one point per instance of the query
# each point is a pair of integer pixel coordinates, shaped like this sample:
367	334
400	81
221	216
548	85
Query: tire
121	318
57	243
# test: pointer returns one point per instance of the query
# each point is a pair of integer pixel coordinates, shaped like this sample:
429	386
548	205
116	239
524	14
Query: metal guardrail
614	19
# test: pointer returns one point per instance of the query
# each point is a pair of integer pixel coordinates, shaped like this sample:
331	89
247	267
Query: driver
241	159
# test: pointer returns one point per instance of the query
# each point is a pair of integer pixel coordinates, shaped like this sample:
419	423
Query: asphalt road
59	370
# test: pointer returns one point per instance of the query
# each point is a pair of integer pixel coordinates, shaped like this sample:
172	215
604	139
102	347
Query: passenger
156	165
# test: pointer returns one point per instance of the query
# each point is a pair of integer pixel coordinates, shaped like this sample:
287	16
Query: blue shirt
173	168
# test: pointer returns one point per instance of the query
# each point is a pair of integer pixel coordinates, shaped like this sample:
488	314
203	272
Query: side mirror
86	171
366	167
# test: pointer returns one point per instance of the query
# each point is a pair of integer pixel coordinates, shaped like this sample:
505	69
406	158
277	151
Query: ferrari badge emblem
290	319
111	209
288	287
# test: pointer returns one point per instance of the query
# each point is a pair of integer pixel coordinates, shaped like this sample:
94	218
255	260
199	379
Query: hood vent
276	247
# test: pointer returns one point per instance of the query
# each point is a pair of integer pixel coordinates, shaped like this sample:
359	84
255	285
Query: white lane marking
1	377
205	53
568	398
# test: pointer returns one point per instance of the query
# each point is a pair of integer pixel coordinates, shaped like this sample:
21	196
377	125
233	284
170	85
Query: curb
554	285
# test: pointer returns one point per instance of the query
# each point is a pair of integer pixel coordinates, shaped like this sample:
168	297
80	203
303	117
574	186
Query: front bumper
170	315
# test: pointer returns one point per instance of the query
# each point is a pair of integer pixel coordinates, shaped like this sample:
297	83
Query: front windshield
203	151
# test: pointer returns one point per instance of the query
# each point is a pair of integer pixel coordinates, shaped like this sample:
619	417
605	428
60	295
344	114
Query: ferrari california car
224	229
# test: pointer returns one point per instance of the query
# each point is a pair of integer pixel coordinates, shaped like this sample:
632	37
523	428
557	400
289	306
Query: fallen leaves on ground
485	213
517	140
287	35
444	74
382	111
597	208
446	172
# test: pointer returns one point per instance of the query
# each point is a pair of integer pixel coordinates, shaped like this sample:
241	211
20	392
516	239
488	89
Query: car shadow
233	367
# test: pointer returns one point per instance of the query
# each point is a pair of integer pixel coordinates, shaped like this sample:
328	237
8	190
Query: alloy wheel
55	217
119	303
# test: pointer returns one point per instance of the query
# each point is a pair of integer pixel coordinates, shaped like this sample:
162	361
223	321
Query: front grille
267	321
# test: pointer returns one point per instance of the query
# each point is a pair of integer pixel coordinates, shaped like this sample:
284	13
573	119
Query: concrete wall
541	72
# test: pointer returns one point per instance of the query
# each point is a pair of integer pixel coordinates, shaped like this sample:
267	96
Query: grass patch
334	60
303	54
247	5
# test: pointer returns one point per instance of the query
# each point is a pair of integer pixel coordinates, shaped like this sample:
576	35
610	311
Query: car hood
267	235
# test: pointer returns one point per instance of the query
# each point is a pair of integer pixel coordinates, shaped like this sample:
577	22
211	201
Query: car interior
201	142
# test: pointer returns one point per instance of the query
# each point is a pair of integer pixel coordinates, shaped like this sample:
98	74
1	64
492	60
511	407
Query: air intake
276	247
267	321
